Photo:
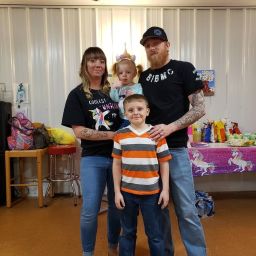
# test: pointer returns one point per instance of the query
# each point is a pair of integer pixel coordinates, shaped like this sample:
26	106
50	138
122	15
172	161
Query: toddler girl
126	71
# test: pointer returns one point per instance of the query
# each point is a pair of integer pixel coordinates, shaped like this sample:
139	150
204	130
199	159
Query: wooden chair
21	154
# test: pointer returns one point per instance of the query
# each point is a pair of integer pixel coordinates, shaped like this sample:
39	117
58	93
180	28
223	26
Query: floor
26	230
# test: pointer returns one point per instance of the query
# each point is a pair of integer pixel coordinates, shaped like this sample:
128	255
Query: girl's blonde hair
138	68
129	59
93	53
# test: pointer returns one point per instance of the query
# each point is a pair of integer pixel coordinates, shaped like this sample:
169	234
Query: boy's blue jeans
153	224
95	174
183	195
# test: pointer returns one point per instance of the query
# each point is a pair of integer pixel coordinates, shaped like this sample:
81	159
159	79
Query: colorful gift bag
21	133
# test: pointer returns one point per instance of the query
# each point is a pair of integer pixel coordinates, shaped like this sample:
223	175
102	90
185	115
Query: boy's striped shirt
139	156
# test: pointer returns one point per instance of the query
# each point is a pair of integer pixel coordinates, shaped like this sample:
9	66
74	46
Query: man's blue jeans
183	195
95	174
153	224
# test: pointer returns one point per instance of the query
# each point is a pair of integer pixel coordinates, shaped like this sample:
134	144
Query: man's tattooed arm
85	133
196	112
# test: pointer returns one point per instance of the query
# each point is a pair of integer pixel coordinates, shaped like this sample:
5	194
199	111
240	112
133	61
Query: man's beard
158	60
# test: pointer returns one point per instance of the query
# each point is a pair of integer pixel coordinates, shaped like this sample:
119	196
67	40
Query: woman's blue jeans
153	224
183	195
95	175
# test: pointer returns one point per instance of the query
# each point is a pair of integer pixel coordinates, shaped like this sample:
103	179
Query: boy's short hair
135	97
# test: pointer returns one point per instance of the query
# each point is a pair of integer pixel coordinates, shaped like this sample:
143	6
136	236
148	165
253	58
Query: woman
94	117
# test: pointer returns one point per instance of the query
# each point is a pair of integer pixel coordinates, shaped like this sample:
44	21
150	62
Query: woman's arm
82	132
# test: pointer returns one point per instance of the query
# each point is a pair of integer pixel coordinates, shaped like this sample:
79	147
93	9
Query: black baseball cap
154	32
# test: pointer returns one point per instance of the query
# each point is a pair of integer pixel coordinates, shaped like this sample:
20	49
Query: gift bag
21	133
204	204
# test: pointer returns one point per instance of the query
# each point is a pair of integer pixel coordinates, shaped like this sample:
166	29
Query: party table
218	158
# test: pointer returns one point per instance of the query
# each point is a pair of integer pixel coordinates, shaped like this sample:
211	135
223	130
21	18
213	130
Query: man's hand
161	131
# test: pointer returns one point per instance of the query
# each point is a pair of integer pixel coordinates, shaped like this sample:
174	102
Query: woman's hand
111	135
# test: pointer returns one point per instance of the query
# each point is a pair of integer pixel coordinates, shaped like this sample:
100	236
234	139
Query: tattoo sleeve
90	134
196	112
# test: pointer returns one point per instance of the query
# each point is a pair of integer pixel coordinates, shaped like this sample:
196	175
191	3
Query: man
171	87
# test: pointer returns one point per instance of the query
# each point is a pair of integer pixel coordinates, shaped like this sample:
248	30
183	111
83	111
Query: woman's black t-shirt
99	113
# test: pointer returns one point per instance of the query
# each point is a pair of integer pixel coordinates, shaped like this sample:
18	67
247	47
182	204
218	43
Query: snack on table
240	141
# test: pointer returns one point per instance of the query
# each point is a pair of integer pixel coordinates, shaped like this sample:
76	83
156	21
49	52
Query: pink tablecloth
217	160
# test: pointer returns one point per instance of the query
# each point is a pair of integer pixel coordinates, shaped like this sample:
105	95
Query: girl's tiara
125	56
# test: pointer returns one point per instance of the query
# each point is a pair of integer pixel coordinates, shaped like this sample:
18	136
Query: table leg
39	180
8	180
22	180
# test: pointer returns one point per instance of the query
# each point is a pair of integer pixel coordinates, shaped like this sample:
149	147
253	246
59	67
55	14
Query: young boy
136	166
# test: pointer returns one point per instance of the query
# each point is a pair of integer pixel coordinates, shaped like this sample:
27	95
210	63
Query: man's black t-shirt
167	90
99	113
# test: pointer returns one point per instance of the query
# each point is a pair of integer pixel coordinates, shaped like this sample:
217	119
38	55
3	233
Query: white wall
43	47
134	2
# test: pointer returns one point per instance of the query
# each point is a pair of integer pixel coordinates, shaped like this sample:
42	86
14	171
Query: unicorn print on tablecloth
200	165
237	159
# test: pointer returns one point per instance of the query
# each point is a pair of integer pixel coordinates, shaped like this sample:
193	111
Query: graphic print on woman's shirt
100	110
99	117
